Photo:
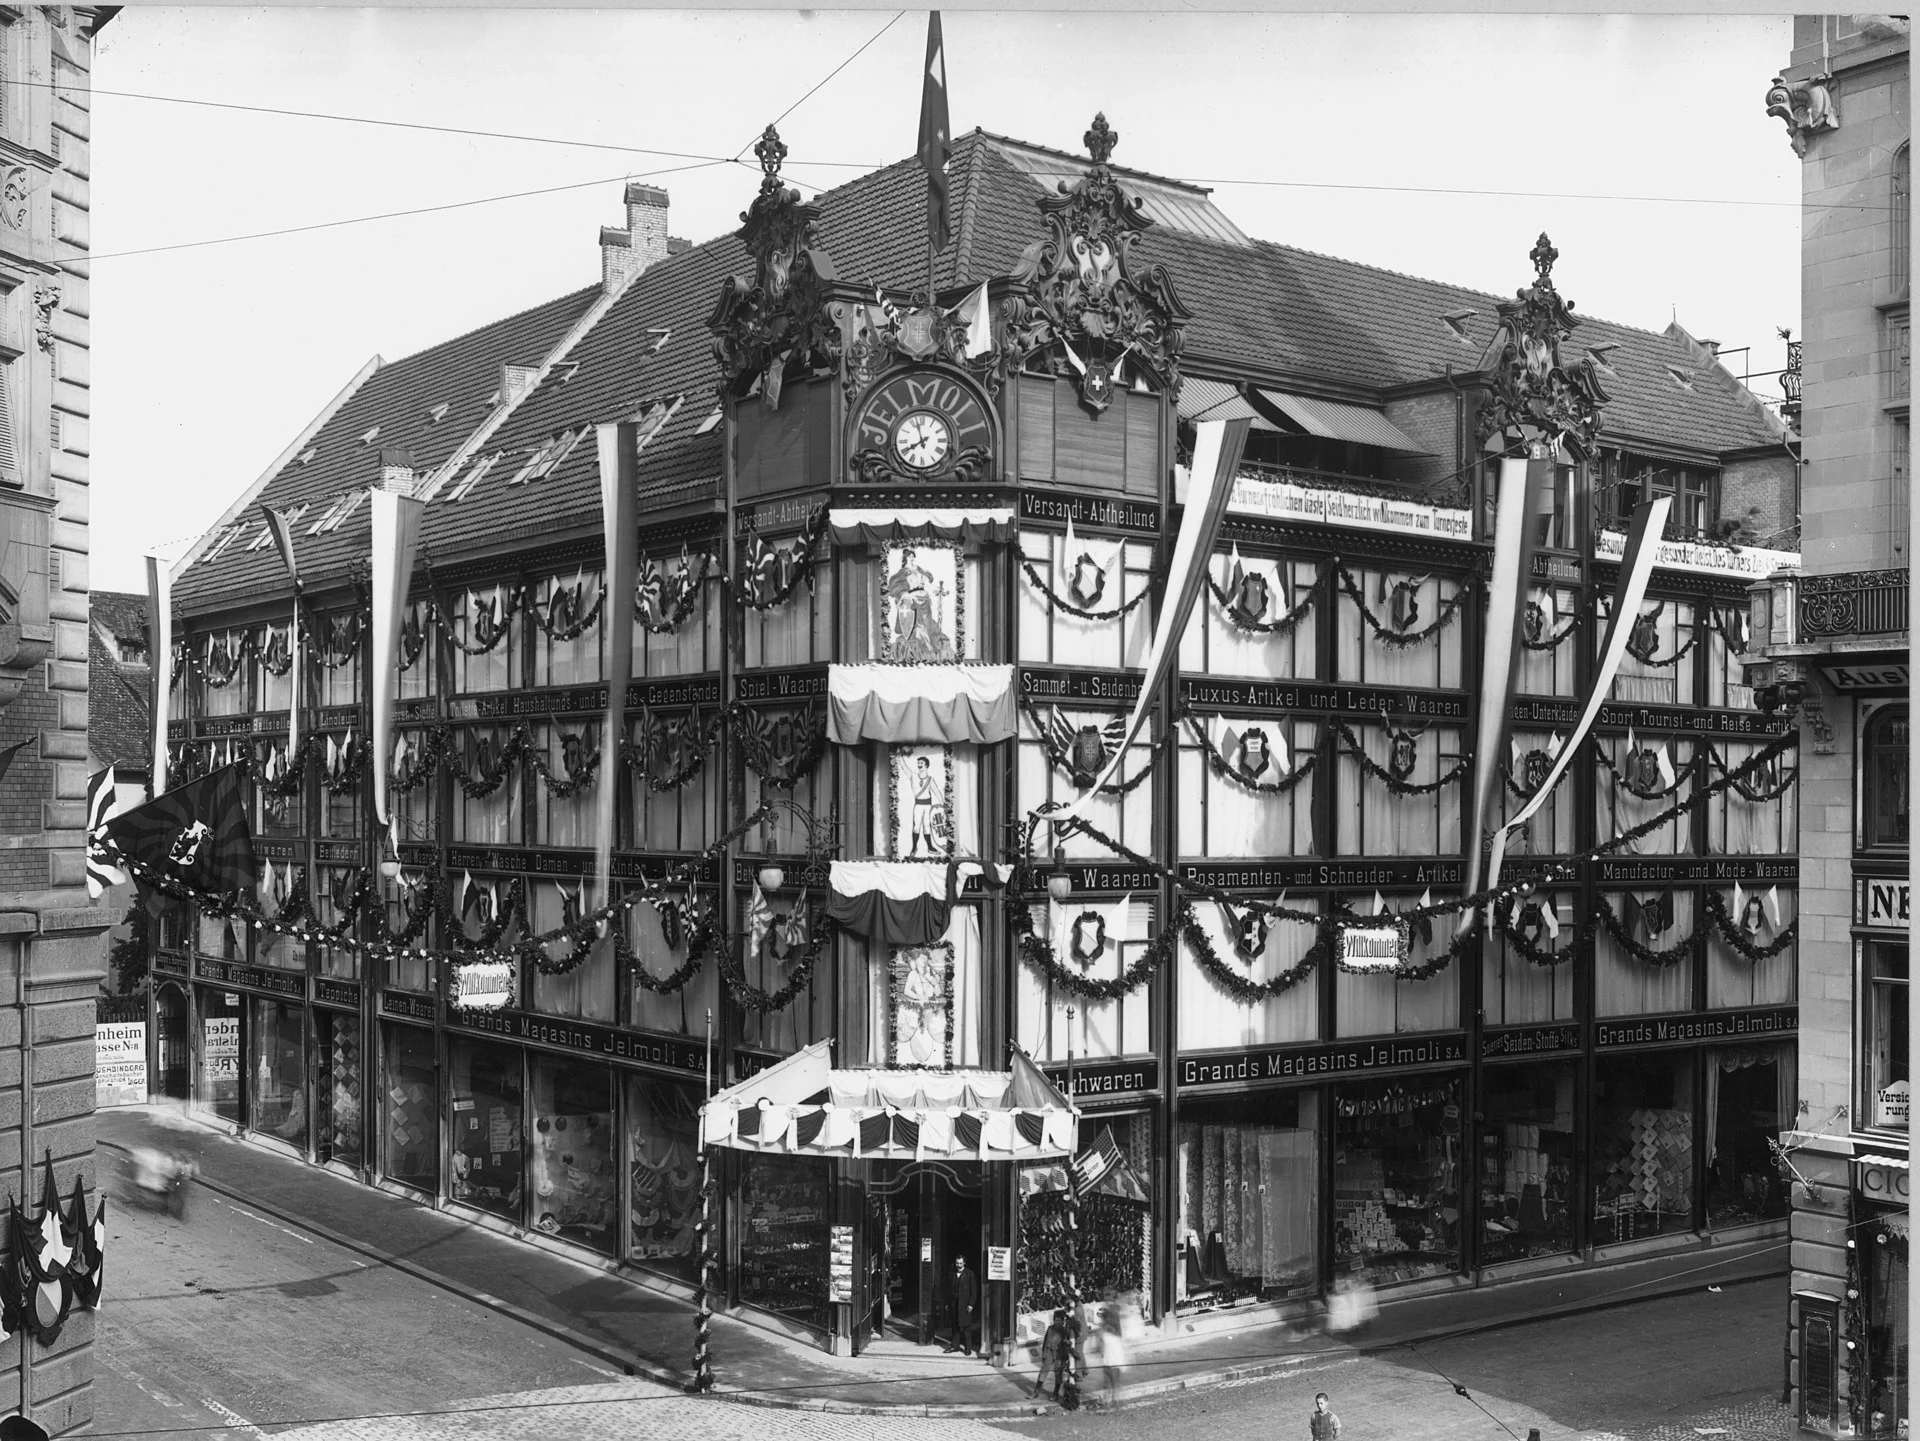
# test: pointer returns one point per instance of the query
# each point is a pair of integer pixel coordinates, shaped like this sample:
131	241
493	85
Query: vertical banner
1217	449
282	534
396	535
1636	569
1526	489
160	655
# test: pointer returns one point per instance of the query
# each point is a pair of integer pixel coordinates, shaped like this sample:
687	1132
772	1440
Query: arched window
1883	779
1901	237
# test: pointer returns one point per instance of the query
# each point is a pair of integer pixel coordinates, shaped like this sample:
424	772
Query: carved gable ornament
776	323
1079	296
1537	399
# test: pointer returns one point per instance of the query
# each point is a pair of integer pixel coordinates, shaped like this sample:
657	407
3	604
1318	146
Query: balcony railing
1859	602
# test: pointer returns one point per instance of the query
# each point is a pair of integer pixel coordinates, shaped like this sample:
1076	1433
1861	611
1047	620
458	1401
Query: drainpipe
26	1146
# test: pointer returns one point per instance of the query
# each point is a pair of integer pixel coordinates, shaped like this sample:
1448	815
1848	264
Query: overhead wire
829	75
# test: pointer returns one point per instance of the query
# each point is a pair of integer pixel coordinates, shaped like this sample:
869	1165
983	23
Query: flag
936	136
978	314
1093	1165
160	654
196	835
396	535
102	805
1218	446
282	534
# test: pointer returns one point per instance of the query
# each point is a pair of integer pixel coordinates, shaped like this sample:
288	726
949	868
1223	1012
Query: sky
1435	145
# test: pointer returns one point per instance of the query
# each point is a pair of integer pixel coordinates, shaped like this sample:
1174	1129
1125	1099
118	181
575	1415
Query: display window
566	820
1883	780
282	816
334	892
1128	817
221	1047
273	652
1735	979
1629	983
1639	779
1526	1162
784	1205
1399	628
1643	1171
1882	1244
1884	1030
479	622
340	1087
1549	831
1522	989
492	818
586	990
1381	1003
222	654
1247	1184
1758	815
409	1126
1728	650
1401	795
661	937
282	952
1103	574
1661	654
339	685
799	632
693	646
680	818
1239	795
340	812
1099	938
416	676
221	938
1254	948
663	1153
277	1103
775	941
1258	617
1752	1095
1551	631
410	793
1396	1178
571	1165
407	969
486	1127
560	655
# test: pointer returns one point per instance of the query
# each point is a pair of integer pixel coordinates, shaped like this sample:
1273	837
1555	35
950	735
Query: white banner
396	533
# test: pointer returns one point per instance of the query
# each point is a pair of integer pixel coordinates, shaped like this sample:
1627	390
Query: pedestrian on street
963	1306
1323	1424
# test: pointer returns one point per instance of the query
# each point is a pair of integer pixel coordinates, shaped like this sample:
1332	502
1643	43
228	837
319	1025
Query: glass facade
277	1103
784	1204
1750	1096
409	1109
1397	1150
1248	1179
571	1151
487	1129
1643	1148
1527	1161
221	1018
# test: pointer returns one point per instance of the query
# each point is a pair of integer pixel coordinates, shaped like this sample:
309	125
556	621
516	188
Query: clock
922	439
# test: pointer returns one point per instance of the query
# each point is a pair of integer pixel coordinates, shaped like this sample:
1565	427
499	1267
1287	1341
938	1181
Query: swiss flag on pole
936	135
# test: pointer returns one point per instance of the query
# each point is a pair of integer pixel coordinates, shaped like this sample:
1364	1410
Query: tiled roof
122	613
1276	312
117	710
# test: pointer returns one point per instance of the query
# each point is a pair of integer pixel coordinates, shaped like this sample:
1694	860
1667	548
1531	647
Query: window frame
1877	719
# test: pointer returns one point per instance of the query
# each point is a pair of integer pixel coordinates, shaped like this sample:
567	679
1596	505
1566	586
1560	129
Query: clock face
922	439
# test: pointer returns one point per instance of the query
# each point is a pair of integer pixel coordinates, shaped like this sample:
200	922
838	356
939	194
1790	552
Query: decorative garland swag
1303	764
1391	635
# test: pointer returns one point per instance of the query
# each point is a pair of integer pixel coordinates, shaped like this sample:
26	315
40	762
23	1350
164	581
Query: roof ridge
491	324
1124	172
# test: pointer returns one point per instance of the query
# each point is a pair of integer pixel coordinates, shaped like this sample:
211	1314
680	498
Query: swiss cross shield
1096	386
1251	597
1644	638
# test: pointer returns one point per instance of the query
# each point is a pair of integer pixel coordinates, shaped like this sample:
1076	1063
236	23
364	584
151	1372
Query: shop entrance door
172	1042
920	1217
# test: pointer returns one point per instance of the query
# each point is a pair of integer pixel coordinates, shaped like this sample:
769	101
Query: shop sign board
330	992
747	1063
1867	677
1294	1063
1681	871
840	1265
1054	683
565	700
1373	944
1307	873
482	986
1280	500
1544	712
1888	1182
1091	511
795	684
671	1053
413	1008
170	965
999	1263
1530	1041
1744	562
1718	1026
1885	902
1098	1079
258	978
220	1047
1303	697
119	1063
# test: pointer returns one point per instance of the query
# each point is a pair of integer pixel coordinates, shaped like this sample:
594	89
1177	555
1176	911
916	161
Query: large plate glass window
1248	1198
1884	1056
663	1146
1527	1158
486	1127
277	1105
409	1116
1751	1096
1397	1156
571	1151
1643	1171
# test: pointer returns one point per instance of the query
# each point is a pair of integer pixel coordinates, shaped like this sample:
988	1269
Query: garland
420	903
687	593
433	750
1682	774
634	758
1736	937
513	905
1060	602
1242	988
500	627
275	659
699	943
1449	608
1063	763
1543	956
1753	794
338	632
762	556
1699	796
1605	915
479	786
1037	951
1278	626
219	677
1302	768
1647	657
757	754
562	632
750	995
573	782
1558	638
293	780
1386	777
344	775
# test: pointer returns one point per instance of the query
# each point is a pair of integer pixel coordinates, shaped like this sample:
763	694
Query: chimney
516	381
617	264
677	246
396	471
646	224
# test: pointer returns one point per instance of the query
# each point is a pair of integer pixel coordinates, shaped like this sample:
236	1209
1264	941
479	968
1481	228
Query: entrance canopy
804	1107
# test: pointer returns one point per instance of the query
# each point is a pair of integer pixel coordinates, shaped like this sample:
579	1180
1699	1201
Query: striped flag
1092	1165
936	137
103	803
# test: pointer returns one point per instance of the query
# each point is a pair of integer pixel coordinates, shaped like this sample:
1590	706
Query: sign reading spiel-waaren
1280	500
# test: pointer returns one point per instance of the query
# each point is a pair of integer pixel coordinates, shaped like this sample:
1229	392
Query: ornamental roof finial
1543	255
771	153
1101	139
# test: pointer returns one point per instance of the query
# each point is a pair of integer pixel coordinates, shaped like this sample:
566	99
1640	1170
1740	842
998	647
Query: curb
1123	1396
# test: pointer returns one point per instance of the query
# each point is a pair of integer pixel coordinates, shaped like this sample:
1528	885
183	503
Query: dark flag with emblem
196	834
936	136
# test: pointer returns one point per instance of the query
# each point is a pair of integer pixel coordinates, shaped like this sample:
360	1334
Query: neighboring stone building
1833	636
119	686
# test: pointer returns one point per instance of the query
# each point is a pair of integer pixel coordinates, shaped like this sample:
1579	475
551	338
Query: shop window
1546	662
277	1106
482	620
1662	651
1752	1095
663	1119
1733	978
1758	815
221	938
660	949
407	968
784	1206
273	668
571	1164
1231	774
1248	1193
339	684
798	631
220	1052
223	673
409	1128
1642	1146
1524	764
334	891
680	817
1396	1179
341	1087
1373	645
1884	1268
1517	989
1628	984
1883	780
694	644
1115	1246
283	952
1729	648
493	818
486	1127
1526	1163
585	990
1885	1029
1105	573
340	812
411	787
1380	1003
1210	1016
1640	778
1376	820
1097	1028
782	940
418	659
1259	619
282	816
568	820
563	601
1127	817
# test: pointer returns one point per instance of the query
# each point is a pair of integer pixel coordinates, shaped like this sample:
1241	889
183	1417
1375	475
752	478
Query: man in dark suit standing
961	1309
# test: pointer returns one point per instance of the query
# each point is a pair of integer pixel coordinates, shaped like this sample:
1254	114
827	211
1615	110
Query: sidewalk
650	1335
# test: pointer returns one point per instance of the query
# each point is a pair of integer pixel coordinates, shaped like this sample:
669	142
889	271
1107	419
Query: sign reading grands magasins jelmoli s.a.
1291	1063
671	1053
1719	1025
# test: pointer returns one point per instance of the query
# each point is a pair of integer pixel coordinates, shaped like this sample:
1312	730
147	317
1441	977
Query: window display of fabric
1247	1210
412	1131
1644	1161
341	1087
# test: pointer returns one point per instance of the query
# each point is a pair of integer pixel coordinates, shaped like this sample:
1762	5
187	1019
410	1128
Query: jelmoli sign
1719	1026
1390	1053
672	1053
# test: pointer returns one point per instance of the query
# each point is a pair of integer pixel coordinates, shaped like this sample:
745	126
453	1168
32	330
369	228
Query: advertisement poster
119	1063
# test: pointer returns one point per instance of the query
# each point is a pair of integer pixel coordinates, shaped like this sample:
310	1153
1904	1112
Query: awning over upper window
1202	399
1216	400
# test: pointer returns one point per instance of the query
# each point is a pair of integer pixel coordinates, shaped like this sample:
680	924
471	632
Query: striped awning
1332	420
1217	400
